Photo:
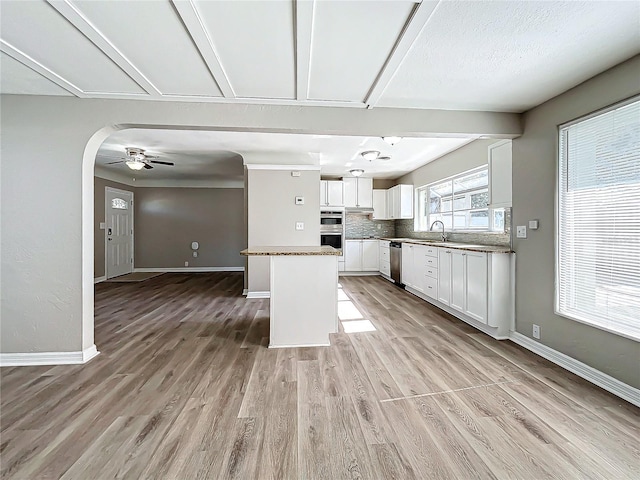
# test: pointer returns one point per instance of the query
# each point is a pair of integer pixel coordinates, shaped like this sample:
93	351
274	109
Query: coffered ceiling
449	54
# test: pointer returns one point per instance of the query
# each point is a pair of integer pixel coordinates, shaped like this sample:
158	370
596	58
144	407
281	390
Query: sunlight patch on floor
351	318
357	326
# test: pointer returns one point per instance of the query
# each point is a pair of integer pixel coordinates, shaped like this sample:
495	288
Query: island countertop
298	250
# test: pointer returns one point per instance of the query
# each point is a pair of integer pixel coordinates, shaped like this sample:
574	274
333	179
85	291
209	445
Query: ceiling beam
41	69
419	18
78	20
194	25
304	16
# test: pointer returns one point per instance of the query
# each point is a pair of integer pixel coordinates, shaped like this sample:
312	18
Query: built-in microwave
331	218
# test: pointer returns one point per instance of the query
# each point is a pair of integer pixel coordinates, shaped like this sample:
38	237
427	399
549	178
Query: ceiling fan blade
162	163
111	163
147	166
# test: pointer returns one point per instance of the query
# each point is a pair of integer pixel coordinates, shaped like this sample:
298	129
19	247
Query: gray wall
472	155
534	177
272	215
98	216
167	220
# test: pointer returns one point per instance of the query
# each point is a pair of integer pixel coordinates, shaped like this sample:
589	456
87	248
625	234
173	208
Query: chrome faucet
443	235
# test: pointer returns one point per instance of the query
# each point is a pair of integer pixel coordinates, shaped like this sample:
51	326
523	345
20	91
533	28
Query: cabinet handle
464	254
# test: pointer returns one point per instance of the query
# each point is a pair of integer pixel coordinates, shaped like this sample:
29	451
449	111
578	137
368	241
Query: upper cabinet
500	174
358	192
379	205
331	193
400	202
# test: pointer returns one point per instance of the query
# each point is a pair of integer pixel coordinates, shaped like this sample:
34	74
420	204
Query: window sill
612	331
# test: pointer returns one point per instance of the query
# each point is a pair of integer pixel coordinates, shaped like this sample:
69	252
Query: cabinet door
406	273
390	210
458	280
476	285
379	205
397	198
335	194
350	191
365	192
419	267
353	255
370	255
323	193
406	201
444	276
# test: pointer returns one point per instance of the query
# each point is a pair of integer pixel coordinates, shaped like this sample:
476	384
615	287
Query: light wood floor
184	388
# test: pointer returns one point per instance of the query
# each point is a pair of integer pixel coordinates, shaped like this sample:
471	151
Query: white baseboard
190	269
357	274
258	294
47	358
301	346
99	279
601	379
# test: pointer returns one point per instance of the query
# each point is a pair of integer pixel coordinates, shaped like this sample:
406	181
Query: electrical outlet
186	264
299	225
536	331
195	254
379	226
521	231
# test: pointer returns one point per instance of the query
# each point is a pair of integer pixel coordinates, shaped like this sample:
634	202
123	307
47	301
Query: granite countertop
269	251
363	238
453	245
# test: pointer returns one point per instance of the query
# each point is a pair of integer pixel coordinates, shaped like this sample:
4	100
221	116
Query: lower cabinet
361	255
462	282
384	258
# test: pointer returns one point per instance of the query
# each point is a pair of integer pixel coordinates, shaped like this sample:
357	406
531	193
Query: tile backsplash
404	229
361	226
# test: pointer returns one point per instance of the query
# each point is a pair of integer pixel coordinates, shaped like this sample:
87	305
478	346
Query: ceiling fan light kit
136	159
135	164
370	155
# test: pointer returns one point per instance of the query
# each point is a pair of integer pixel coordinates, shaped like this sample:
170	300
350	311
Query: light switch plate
521	231
103	226
299	225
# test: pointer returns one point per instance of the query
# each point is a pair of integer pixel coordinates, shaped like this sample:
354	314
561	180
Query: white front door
119	224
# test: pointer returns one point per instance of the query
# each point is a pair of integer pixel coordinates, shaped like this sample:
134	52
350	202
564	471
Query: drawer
384	254
384	243
385	268
431	286
432	262
431	272
431	251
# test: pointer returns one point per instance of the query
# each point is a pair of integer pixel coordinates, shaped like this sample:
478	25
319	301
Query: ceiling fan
136	159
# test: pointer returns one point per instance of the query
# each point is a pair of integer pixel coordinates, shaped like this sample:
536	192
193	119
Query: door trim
106	229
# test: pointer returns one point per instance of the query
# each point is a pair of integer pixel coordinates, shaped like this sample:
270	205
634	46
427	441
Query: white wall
272	215
48	148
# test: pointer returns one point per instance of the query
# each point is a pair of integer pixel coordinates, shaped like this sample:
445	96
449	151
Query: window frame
556	301
452	178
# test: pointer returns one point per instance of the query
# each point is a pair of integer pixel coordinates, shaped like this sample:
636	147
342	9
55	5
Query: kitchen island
304	294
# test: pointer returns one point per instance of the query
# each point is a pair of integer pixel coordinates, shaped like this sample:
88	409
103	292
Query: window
460	202
598	220
119	204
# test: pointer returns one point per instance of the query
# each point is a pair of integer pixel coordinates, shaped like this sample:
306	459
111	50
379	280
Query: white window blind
598	255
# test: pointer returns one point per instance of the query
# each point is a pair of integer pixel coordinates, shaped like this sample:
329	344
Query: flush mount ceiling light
370	154
135	164
392	140
356	172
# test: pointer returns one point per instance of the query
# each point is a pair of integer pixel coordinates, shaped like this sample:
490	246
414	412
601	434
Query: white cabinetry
384	258
331	193
361	255
400	202
358	192
500	174
379	205
462	282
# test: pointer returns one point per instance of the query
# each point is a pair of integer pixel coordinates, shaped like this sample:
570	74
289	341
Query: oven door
331	239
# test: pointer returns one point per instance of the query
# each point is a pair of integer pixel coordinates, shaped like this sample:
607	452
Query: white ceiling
219	156
450	54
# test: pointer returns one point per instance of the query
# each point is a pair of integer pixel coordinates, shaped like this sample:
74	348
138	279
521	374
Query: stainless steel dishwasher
395	252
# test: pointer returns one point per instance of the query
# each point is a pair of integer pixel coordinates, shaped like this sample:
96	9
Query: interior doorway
119	232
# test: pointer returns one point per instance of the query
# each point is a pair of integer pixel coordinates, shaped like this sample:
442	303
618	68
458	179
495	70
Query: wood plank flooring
185	388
